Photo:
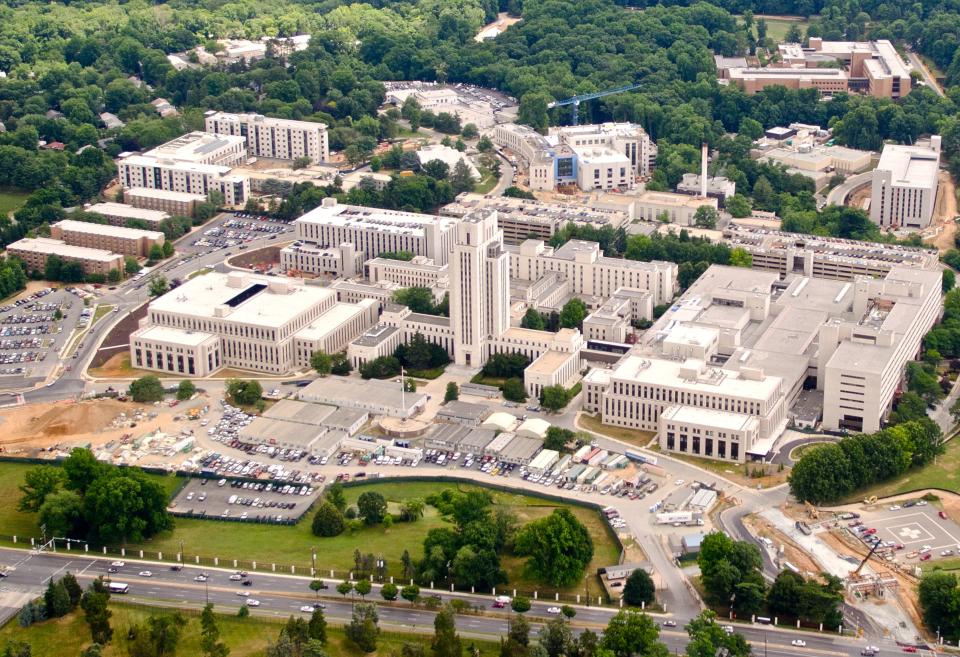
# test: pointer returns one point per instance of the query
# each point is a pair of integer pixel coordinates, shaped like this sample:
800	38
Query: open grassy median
246	637
631	436
288	545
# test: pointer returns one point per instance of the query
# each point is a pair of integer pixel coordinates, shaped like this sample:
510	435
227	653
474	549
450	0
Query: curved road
838	195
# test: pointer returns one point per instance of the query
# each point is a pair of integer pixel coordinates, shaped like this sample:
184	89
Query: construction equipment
576	100
812	511
870	500
856	573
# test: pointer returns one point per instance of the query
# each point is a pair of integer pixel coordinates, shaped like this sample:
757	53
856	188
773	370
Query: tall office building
479	287
904	185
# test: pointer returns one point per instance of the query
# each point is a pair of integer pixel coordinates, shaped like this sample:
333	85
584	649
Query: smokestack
703	170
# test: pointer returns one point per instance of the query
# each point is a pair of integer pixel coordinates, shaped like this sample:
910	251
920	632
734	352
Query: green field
945	473
293	545
248	637
11	200
777	27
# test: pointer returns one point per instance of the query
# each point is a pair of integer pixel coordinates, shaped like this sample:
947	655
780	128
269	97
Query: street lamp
313	561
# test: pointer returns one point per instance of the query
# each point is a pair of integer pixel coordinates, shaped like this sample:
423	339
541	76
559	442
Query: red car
855	523
925	557
498	605
870	532
943	514
909	649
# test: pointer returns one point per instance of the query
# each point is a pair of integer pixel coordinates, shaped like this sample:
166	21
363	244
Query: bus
118	587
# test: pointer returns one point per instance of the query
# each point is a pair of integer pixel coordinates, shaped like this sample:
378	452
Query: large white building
603	156
281	139
591	273
904	185
719	374
258	323
479	287
370	231
202	148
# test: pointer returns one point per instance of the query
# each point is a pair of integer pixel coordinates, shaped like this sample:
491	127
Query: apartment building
196	179
126	241
270	137
35	251
179	204
824	257
589	272
118	214
904	185
243	321
371	231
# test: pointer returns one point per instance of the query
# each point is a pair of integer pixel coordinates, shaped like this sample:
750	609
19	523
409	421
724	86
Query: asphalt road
282	595
919	66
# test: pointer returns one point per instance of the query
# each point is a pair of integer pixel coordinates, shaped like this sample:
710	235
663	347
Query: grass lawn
777	28
632	436
246	637
293	545
496	381
11	200
199	272
735	472
487	181
945	473
426	374
100	312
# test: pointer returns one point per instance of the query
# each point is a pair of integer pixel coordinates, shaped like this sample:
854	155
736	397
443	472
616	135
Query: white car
553	610
145	573
253	603
235	577
200	578
243	594
895	507
307	609
118	564
678	482
799	643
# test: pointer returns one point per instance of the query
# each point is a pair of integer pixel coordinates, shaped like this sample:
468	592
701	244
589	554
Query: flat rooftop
300	412
252	299
342	391
195	145
266	430
713	418
127	211
656	371
374	336
179	165
374	219
462	409
266	120
47	246
122	232
173	335
329	321
676	200
910	166
550	361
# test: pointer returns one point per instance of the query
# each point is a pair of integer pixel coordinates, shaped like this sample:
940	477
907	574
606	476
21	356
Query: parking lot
244	501
33	330
911	532
234	230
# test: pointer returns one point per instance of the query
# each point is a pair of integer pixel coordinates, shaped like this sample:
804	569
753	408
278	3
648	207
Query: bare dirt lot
118	340
24	429
944	213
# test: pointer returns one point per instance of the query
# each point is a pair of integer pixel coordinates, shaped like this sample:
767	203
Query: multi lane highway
284	595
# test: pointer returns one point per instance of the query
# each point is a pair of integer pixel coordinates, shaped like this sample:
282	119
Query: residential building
257	323
269	137
118	214
35	251
126	241
180	204
904	185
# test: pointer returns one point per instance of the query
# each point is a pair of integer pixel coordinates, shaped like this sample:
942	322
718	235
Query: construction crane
856	573
576	100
